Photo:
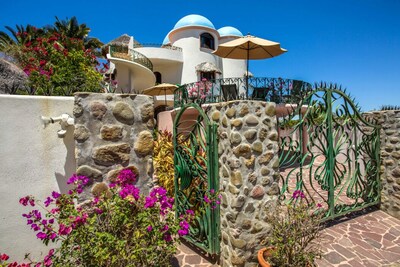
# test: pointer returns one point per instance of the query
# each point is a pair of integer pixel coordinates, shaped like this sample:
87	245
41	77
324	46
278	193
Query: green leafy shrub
295	233
58	60
58	65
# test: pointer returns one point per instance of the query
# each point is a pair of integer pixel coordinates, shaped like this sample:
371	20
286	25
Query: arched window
158	77
207	41
210	75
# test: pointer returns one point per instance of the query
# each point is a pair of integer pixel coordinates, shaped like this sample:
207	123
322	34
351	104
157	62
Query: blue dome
193	20
229	31
166	40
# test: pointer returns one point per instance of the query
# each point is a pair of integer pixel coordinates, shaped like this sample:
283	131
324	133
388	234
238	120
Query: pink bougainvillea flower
53	236
54	211
24	201
41	235
4	257
298	194
55	194
98	211
165	228
190	212
64	230
167	237
48	201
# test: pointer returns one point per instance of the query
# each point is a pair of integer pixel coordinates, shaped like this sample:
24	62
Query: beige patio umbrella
161	89
249	47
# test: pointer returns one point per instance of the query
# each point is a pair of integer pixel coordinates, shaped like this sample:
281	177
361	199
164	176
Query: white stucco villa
185	56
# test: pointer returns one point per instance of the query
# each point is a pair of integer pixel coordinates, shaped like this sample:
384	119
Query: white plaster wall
170	72
33	161
123	77
189	40
232	68
131	76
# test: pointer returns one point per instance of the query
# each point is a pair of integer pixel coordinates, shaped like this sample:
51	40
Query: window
158	77
207	41
207	75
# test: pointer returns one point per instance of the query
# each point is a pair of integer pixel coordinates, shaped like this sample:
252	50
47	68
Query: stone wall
248	166
112	132
390	159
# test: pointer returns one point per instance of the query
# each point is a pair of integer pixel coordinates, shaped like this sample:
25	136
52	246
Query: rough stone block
123	113
109	155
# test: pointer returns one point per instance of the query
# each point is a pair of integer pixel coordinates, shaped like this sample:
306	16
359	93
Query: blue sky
355	43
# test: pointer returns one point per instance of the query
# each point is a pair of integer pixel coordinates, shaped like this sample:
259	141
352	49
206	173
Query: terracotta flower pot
262	254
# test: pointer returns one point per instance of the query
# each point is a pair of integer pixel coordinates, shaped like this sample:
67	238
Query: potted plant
295	234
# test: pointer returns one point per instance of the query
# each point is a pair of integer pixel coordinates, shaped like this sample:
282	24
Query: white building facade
184	57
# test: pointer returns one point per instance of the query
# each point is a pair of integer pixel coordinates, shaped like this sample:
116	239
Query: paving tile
358	242
355	263
370	263
193	259
334	258
373	243
365	253
343	251
344	241
389	237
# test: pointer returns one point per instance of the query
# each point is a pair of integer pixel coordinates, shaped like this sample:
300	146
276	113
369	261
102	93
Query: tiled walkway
369	240
372	239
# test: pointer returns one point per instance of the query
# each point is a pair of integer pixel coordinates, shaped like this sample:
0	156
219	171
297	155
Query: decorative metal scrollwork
330	152
196	173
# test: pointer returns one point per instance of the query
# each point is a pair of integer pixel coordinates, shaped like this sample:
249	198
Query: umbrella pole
165	98
247	71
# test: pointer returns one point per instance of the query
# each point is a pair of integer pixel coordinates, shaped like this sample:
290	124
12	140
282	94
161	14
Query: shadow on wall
70	162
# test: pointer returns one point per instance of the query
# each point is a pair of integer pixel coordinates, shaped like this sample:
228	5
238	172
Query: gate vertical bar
378	161
330	154
213	181
299	178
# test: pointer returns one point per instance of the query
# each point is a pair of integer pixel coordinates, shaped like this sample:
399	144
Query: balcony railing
131	55
276	90
171	47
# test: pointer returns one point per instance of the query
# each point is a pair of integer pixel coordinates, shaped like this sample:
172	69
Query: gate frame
213	215
330	162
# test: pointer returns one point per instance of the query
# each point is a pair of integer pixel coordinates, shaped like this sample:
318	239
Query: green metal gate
196	175
330	152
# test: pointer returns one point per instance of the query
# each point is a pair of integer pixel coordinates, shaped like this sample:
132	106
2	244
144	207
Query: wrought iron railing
131	55
171	47
276	90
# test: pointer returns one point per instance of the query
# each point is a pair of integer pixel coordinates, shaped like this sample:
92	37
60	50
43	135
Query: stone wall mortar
389	120
249	174
112	132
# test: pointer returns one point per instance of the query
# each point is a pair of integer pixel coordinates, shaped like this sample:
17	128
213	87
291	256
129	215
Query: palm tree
19	36
72	29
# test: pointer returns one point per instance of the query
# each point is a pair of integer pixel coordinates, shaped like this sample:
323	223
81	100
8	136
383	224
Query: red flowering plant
118	227
59	65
